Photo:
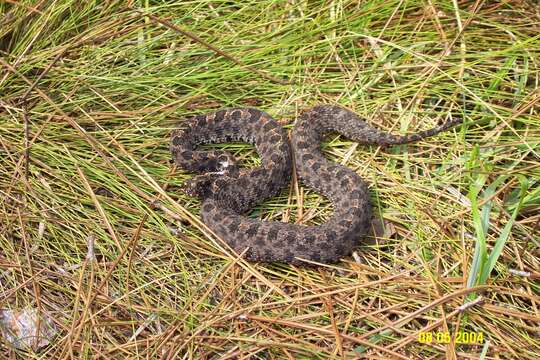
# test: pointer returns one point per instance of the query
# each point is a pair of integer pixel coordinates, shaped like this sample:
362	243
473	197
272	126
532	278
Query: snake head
199	186
206	185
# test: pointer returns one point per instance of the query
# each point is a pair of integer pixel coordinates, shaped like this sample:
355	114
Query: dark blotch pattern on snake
228	191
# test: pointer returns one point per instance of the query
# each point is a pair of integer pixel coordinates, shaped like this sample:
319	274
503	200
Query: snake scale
229	191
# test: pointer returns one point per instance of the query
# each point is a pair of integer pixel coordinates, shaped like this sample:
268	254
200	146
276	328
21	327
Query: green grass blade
501	241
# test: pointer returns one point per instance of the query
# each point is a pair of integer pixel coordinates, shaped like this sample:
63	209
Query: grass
95	234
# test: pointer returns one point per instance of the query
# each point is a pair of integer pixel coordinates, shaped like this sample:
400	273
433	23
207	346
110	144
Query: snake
228	192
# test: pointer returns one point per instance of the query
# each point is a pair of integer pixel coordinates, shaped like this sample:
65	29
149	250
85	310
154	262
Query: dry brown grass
95	235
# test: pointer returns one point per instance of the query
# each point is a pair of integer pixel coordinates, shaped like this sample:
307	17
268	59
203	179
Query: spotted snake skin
228	191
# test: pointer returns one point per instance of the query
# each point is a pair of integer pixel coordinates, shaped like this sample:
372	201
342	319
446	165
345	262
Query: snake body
228	191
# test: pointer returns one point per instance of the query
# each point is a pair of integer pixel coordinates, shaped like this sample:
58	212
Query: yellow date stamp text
444	337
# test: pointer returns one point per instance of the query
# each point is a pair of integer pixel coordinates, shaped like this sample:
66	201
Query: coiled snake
228	191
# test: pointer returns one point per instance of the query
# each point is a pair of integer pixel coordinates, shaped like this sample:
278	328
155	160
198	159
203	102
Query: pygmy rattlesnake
228	191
